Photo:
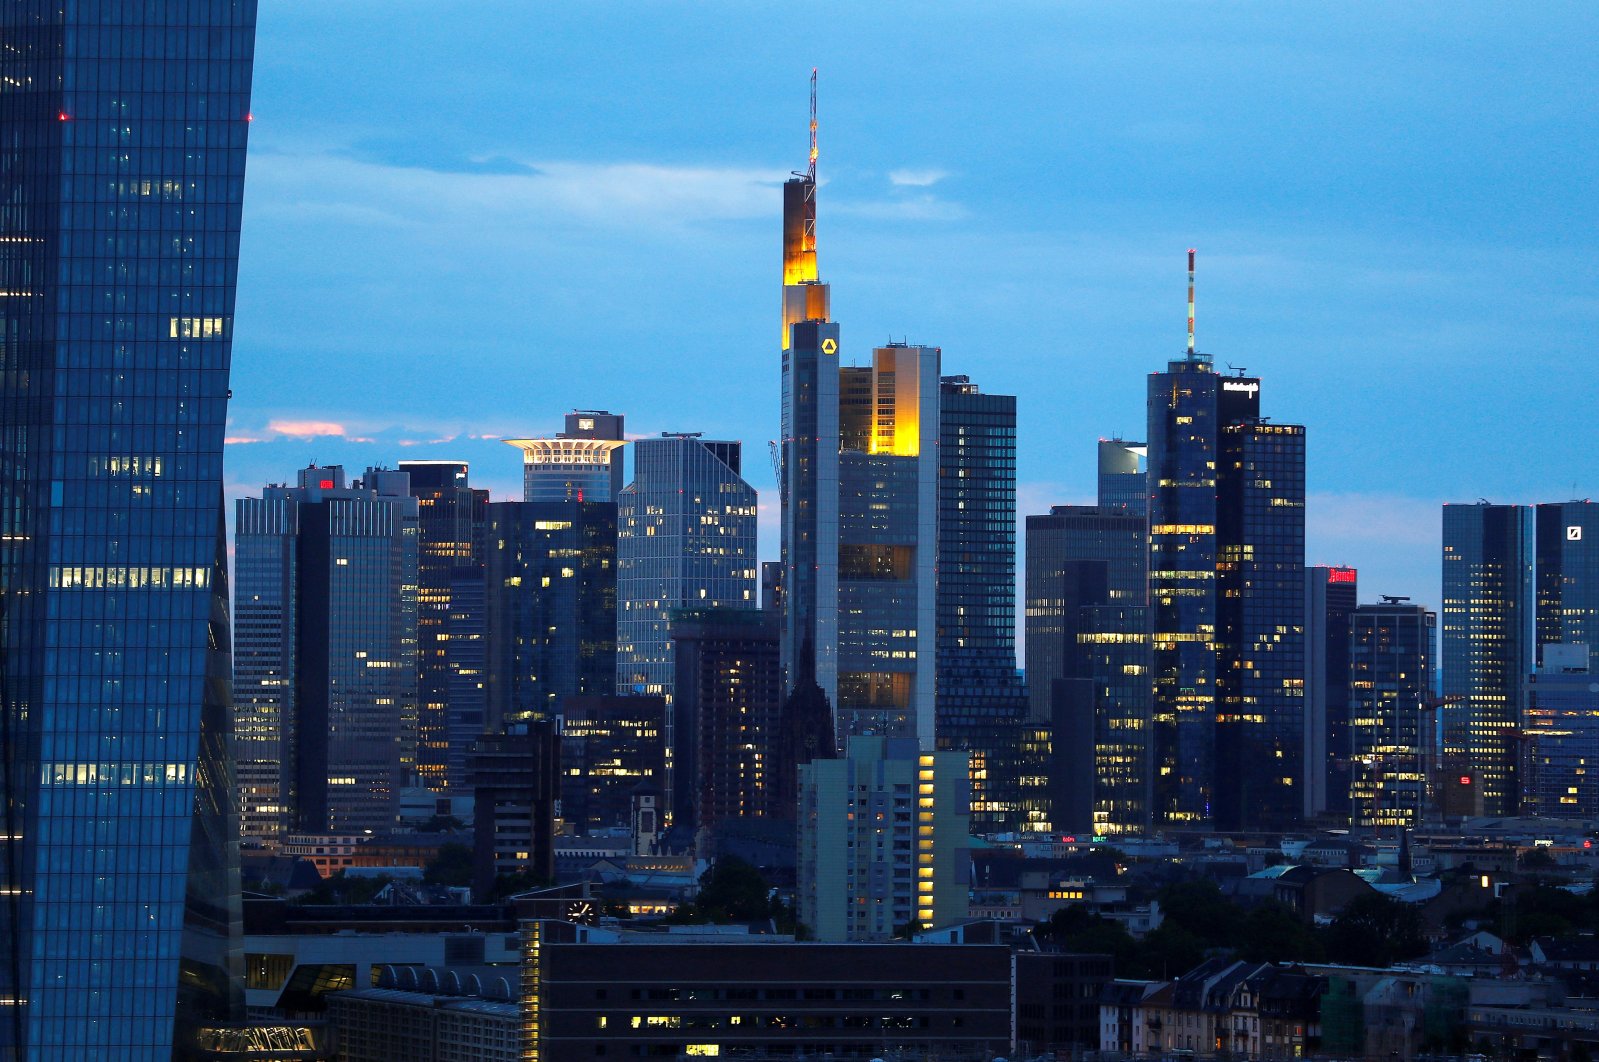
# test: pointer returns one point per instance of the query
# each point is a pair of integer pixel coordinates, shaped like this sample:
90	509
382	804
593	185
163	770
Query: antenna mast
813	126
1190	270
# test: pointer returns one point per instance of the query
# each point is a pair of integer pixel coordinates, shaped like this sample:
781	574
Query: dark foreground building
627	1000
122	145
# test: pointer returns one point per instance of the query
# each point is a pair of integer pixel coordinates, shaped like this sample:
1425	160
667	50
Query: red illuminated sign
1465	779
1341	575
326	484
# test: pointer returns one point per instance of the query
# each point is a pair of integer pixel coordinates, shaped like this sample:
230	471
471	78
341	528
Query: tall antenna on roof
1190	300
813	126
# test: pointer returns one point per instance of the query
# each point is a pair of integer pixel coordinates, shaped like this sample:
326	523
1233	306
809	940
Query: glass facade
982	703
449	631
550	602
609	745
1123	478
122	147
1390	657
1487	651
327	587
685	539
1260	637
1568	573
1563	737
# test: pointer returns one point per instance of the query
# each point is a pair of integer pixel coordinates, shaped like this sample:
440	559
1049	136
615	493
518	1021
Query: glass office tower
1227	596
982	704
450	633
1330	596
1567	549
1389	664
122	145
1487	649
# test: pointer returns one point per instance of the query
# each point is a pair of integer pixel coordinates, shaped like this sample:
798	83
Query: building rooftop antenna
1190	304
812	171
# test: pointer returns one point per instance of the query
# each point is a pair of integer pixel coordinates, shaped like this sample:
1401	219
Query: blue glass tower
122	147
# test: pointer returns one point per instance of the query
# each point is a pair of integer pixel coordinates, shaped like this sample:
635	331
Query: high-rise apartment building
881	836
326	711
685	539
1123	476
729	693
450	618
1389	660
550	603
1330	596
1226	586
582	463
1567	559
982	704
117	864
859	483
1487	649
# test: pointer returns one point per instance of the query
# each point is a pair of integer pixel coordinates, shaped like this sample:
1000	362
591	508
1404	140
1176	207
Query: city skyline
1425	243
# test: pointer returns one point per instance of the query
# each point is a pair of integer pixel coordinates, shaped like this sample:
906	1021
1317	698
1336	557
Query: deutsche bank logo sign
1573	534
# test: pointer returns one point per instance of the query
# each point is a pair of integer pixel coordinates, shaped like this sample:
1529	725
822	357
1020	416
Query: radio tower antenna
812	173
1190	296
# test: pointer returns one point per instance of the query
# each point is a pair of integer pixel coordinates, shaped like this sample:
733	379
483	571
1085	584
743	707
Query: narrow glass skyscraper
1568	574
1487	649
122	145
982	705
1389	667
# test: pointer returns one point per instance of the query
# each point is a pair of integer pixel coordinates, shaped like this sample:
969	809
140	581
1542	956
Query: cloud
916	178
241	440
306	429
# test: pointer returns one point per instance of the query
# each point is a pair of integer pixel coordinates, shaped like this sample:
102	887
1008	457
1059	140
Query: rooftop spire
812	171
1190	302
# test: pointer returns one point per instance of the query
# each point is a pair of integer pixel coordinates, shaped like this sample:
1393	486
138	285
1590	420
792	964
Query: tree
1374	930
1199	908
1273	933
451	866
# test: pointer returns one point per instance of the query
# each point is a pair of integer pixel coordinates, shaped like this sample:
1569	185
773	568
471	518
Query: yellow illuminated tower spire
803	297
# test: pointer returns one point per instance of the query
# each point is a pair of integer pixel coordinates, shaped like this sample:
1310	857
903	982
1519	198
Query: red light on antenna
249	117
63	116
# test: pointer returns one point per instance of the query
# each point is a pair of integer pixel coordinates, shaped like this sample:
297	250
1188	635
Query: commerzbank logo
829	345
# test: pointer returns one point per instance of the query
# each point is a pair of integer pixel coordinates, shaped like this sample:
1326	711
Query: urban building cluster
424	774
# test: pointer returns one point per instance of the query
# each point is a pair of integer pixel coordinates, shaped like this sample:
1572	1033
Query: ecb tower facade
859	482
122	148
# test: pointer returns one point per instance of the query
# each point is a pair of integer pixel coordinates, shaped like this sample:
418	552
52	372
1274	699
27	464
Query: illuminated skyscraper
1568	574
1389	663
1226	586
1562	730
582	463
326	647
449	618
982	704
121	187
685	539
550	602
1487	648
859	484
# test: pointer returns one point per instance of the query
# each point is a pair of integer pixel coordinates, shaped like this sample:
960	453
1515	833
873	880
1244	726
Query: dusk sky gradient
464	219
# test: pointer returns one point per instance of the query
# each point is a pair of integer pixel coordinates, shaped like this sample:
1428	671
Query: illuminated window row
97	577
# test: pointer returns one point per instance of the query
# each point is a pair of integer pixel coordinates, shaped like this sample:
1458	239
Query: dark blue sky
463	219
